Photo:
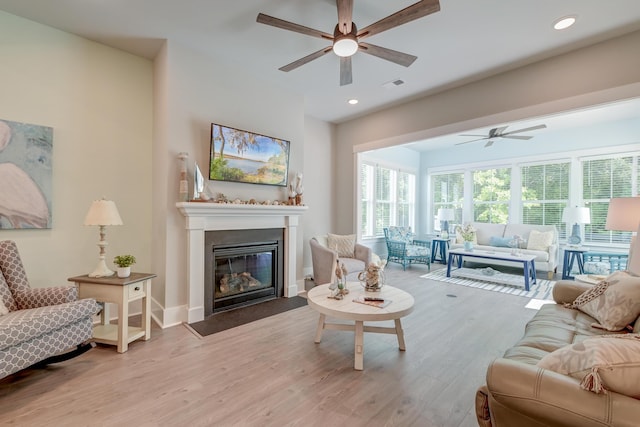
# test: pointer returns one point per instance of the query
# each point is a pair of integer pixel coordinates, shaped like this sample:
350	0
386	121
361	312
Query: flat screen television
241	156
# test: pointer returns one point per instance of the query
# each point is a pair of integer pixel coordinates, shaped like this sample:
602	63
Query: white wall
595	74
98	100
192	91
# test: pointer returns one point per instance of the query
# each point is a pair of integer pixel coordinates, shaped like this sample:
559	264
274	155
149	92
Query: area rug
230	319
542	290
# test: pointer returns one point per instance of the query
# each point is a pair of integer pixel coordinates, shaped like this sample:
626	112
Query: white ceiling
465	41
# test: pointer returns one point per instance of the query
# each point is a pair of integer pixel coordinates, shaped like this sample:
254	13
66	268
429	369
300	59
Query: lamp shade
103	212
446	214
576	215
623	214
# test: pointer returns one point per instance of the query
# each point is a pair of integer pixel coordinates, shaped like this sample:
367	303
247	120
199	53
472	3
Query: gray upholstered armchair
353	255
38	325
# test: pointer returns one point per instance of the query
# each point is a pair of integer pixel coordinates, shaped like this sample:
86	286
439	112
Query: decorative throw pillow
609	362
345	246
540	240
500	242
614	302
3	309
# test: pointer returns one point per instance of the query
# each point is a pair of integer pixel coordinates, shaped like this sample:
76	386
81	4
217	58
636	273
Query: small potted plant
124	263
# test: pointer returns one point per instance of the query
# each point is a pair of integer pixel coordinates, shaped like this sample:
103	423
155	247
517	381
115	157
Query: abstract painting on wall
25	175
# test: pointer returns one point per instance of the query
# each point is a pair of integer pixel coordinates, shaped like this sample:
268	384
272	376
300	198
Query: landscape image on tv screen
241	156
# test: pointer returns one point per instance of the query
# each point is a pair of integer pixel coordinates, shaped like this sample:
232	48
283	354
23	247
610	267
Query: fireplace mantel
204	216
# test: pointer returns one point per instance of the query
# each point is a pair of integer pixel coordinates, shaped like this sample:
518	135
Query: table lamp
624	215
445	215
576	216
102	213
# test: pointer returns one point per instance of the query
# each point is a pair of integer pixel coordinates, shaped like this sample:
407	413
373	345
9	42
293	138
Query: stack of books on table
372	301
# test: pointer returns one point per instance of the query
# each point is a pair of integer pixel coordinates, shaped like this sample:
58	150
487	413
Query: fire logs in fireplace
242	267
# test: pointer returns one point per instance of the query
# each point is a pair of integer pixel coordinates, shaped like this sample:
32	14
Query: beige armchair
354	256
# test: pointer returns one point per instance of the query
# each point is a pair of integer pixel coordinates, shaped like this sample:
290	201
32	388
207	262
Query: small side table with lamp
104	287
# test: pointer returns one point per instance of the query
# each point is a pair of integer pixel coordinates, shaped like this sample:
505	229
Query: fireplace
200	218
242	267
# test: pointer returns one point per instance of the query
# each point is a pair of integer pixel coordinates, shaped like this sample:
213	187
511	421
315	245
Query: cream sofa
546	260
520	393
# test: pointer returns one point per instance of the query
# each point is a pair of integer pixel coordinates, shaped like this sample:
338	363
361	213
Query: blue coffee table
456	256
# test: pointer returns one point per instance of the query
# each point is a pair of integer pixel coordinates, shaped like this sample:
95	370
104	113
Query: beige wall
319	182
599	73
192	91
98	100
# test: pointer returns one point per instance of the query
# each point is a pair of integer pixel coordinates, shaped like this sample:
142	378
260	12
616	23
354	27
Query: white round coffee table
401	305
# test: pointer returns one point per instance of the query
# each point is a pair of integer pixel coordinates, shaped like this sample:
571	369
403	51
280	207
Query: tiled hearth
201	217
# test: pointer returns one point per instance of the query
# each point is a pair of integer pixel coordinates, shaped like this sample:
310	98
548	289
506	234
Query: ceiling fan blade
472	134
346	77
489	143
306	59
473	140
345	15
399	58
516	136
286	25
408	14
525	129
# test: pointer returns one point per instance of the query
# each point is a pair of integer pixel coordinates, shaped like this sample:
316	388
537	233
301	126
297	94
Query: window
545	194
602	179
387	198
491	195
542	190
448	192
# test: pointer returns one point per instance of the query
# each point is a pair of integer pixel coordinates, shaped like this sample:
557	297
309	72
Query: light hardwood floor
270	372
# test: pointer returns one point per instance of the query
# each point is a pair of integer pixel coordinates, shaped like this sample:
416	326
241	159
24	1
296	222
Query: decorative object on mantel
224	200
299	189
292	194
184	183
198	186
124	263
102	213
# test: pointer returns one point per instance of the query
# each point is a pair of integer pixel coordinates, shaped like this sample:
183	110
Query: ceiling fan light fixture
345	46
564	22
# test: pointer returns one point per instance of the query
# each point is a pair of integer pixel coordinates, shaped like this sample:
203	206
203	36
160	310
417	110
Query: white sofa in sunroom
494	237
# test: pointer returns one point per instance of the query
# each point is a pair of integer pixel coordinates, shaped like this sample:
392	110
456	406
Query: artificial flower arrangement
467	232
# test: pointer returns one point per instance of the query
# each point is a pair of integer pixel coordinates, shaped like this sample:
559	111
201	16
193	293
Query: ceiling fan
346	38
500	133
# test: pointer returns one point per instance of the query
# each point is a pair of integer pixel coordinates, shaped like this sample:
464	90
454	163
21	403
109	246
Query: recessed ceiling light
564	22
353	101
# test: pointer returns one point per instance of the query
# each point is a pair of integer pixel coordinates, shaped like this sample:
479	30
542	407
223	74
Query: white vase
124	271
468	246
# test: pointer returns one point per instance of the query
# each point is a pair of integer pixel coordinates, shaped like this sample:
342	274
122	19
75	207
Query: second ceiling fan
500	133
346	38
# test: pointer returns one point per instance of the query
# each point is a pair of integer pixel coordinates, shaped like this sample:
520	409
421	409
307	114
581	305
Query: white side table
118	291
